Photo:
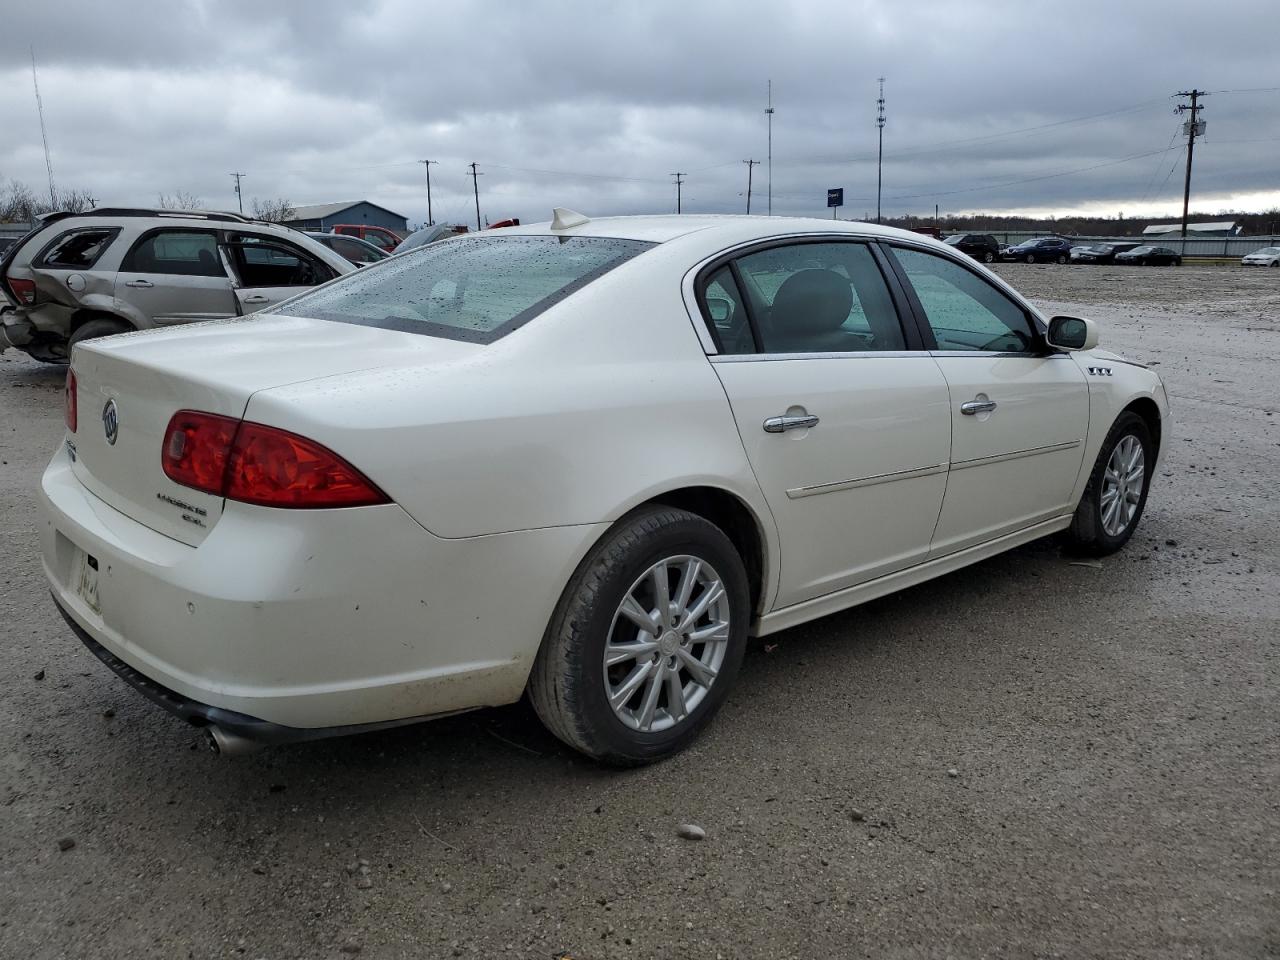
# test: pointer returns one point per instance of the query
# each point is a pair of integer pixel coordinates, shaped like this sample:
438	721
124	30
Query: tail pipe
227	744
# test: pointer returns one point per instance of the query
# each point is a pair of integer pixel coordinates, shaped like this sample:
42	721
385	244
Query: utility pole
751	164
880	150
1192	130
679	180
426	165
475	182
768	112
239	195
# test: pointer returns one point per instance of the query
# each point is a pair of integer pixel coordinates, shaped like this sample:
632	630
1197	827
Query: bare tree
17	202
71	201
273	210
182	200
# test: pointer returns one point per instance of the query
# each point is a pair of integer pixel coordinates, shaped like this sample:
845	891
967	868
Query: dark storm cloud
594	104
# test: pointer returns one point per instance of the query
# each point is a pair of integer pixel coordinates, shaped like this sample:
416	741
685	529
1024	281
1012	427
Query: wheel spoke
650	704
697	669
675	695
689	571
1109	494
623	692
1134	477
711	632
638	615
616	653
662	593
712	593
1109	514
1131	496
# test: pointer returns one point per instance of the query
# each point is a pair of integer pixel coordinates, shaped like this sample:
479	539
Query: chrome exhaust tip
226	744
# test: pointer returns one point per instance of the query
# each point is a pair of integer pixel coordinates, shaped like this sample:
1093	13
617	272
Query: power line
679	181
751	164
1156	172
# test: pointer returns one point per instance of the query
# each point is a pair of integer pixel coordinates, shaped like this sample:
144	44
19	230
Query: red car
381	237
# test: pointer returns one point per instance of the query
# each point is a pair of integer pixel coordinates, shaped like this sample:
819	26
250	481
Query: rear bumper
313	619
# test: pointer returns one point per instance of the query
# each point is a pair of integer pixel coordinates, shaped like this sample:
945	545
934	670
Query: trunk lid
215	367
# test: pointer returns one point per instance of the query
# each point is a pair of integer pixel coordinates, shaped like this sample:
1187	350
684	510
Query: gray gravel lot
1114	734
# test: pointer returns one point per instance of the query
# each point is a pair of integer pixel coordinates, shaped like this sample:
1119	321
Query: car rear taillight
70	398
24	291
254	463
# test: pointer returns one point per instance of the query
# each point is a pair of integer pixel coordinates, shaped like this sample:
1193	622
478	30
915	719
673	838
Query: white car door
844	418
1019	412
271	271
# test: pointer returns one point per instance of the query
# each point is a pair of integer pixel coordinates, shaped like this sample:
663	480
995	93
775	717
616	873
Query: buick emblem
110	422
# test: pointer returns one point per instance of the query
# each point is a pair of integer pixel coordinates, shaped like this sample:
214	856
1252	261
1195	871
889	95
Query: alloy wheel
667	643
1122	483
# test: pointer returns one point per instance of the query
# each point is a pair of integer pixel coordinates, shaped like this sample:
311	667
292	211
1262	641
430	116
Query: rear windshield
470	288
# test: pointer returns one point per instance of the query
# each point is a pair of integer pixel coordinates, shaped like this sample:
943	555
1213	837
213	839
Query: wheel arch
739	522
87	314
1147	409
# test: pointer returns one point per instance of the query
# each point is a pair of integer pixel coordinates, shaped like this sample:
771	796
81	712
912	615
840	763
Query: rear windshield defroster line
473	289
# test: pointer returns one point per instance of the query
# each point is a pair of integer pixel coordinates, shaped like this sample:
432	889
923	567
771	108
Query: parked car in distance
980	246
1098	253
398	496
1149	256
1266	257
359	252
429	234
382	237
1039	250
112	270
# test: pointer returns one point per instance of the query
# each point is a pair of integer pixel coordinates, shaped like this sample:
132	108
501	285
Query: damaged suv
79	276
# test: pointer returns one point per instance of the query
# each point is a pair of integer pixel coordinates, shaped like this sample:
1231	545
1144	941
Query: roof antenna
562	218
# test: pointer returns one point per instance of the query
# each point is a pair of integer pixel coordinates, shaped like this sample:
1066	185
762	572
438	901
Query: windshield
1142	249
474	289
1267	251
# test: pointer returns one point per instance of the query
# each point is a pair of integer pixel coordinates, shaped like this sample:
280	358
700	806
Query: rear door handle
257	298
782	424
971	407
139	283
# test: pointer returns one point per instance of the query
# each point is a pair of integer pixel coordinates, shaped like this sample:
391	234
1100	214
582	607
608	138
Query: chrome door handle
971	407
138	283
781	424
256	298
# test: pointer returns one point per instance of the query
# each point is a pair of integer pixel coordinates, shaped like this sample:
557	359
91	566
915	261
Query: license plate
86	580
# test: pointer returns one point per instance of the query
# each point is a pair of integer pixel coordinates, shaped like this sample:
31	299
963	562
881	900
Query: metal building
325	216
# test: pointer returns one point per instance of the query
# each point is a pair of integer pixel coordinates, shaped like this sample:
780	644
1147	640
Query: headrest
811	301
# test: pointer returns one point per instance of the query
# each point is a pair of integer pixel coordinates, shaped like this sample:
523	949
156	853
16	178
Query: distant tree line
1266	222
19	203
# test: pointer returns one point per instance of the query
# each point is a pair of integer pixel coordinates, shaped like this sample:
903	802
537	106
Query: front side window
820	298
186	253
355	251
78	249
262	264
964	311
474	289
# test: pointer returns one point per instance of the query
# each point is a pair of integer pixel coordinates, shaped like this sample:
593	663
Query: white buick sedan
584	459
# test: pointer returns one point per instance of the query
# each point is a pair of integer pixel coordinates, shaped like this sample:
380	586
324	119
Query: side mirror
1072	333
719	308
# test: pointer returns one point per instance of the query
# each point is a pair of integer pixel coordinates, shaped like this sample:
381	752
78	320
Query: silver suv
77	276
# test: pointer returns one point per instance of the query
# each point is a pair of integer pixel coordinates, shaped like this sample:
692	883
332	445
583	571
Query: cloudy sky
992	106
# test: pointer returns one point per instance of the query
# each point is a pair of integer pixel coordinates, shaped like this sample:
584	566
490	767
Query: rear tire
101	327
988	257
1098	528
576	693
1062	258
1031	258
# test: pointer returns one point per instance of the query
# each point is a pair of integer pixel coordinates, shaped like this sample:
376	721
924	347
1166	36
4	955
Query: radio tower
880	150
768	112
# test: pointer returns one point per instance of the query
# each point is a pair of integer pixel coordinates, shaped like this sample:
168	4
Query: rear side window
78	249
184	253
473	289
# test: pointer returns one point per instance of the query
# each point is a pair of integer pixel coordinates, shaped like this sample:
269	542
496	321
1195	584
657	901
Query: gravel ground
1029	758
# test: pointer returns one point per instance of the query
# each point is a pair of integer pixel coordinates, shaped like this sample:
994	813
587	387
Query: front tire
1116	495
988	257
646	640
1062	258
1031	258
